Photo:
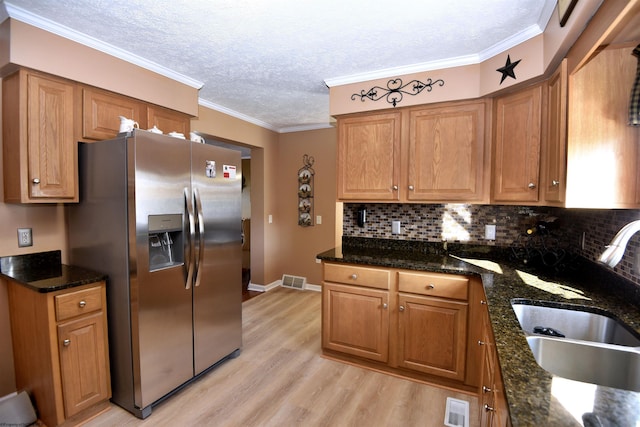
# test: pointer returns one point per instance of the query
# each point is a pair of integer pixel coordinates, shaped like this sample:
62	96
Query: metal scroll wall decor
305	192
395	90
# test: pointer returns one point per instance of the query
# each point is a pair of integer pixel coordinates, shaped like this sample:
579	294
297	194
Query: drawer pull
480	342
430	286
354	276
483	302
66	343
488	408
82	303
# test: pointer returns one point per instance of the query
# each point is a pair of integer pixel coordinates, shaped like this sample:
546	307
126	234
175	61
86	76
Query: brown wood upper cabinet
603	157
518	132
168	120
554	147
446	153
369	157
39	144
101	111
432	153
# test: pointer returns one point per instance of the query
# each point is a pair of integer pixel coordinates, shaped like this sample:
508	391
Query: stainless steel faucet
615	250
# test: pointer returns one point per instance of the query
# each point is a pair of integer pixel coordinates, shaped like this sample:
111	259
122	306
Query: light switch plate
395	227
490	232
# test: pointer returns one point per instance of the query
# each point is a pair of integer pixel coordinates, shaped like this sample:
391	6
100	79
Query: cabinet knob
401	308
486	389
354	276
483	302
480	342
36	180
385	305
488	408
431	286
395	187
555	183
531	185
82	303
411	188
66	343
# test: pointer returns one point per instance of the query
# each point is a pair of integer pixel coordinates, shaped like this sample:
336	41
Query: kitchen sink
581	343
574	322
602	364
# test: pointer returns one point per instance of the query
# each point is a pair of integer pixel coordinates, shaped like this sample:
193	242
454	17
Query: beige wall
300	245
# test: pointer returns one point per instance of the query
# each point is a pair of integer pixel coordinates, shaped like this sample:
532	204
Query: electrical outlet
24	237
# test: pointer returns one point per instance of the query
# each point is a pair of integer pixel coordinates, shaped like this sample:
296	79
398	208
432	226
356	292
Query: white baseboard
275	284
263	288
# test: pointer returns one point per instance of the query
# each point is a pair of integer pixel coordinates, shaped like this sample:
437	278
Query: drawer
437	285
359	276
73	304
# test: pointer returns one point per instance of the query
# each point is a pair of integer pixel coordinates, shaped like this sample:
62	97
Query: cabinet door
356	321
101	113
369	157
446	153
432	335
83	362
554	152
168	120
517	146
603	157
52	147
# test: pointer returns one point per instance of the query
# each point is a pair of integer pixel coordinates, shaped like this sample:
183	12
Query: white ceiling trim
516	39
69	33
498	48
237	115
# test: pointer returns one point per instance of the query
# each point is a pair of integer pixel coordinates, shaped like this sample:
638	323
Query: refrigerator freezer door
217	299
161	306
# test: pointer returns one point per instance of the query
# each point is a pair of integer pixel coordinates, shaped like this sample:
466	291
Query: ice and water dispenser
166	244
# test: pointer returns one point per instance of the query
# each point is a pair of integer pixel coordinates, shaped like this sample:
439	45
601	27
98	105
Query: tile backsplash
584	232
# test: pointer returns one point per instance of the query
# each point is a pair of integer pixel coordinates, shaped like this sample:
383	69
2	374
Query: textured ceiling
270	62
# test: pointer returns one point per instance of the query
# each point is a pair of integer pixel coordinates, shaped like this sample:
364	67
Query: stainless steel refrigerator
162	217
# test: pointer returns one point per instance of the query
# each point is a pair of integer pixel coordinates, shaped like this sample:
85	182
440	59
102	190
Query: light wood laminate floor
281	379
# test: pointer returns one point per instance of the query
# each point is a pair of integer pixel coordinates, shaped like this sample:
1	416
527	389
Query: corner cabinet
408	323
61	353
554	147
518	133
39	144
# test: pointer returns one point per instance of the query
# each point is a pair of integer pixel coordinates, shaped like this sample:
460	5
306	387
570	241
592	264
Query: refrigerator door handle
198	205
190	240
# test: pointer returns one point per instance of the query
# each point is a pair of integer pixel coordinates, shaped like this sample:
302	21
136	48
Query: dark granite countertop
535	397
43	272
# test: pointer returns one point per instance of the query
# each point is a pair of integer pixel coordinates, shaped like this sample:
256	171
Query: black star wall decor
507	70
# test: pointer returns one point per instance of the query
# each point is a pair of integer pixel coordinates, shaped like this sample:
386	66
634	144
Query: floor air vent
293	282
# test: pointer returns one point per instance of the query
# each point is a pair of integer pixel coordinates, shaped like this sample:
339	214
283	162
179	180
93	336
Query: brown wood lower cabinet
493	404
409	323
432	336
60	350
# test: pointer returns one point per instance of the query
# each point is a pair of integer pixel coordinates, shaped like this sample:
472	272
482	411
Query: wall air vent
293	282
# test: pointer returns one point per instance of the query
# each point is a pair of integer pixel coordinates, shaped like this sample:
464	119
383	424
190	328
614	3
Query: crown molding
237	115
516	39
22	15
